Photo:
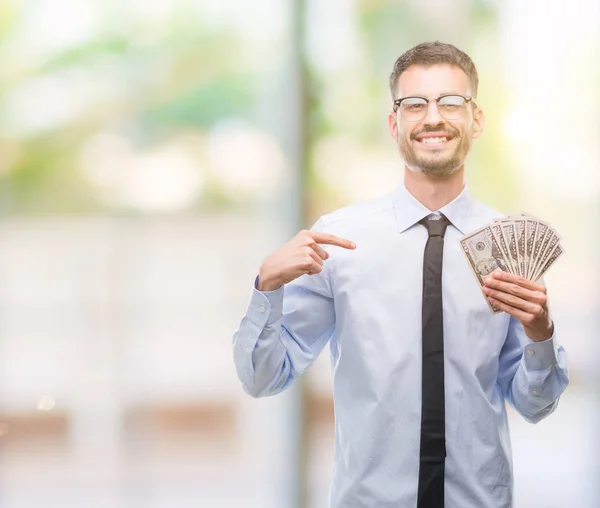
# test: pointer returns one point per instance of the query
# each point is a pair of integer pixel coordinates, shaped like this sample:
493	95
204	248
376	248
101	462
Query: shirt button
247	350
261	308
531	352
535	392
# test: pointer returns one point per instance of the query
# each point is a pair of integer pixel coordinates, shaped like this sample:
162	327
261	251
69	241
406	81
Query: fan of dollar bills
519	244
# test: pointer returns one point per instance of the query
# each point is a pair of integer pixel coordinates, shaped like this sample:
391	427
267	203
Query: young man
421	367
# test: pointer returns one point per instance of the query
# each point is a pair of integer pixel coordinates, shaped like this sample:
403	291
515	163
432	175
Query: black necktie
433	420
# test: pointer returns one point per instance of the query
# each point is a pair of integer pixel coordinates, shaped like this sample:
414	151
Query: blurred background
153	152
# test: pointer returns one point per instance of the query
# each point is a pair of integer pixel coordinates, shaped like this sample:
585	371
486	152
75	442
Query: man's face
434	145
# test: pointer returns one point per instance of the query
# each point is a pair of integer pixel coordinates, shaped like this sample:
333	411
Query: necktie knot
435	227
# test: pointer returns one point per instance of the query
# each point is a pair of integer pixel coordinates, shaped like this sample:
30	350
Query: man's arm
532	369
290	318
273	345
532	375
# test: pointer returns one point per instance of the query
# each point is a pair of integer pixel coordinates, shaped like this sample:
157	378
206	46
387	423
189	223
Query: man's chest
378	303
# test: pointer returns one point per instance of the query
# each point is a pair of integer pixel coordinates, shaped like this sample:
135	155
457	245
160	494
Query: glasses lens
413	109
452	107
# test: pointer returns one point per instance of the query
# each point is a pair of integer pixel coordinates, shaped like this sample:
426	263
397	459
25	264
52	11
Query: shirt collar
409	211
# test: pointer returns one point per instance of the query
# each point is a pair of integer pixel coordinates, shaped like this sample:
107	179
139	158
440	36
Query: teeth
433	140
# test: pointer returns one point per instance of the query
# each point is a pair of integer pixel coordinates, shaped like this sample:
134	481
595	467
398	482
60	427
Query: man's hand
525	300
301	255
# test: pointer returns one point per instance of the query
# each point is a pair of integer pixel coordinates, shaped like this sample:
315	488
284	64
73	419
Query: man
421	366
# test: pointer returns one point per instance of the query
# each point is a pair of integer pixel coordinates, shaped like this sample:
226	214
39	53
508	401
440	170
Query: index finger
328	239
517	279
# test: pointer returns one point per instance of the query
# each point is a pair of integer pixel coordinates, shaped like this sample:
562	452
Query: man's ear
478	122
393	125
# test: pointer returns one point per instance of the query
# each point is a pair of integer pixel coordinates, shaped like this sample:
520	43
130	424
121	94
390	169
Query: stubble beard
436	164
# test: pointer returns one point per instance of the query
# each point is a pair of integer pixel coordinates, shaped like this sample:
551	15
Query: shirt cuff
266	307
540	355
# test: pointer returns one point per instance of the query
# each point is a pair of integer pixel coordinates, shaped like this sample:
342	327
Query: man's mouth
433	139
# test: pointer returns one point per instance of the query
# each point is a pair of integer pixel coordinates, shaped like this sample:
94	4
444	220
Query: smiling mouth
433	141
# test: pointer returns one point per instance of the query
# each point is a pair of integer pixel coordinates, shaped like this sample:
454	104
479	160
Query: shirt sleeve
532	375
283	332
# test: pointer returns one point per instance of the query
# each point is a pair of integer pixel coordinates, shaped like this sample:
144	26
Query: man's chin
433	162
436	168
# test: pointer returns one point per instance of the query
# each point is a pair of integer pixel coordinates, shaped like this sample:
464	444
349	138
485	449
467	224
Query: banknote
520	244
530	230
483	255
496	228
508	231
549	241
540	235
541	263
554	255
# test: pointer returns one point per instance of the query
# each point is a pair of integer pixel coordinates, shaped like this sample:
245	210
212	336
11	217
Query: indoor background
153	152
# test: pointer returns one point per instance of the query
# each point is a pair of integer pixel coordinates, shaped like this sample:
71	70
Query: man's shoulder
482	214
357	213
382	208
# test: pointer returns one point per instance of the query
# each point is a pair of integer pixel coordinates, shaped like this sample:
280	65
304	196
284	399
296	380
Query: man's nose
433	117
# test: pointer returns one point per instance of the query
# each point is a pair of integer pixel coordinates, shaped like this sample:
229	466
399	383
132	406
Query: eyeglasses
451	107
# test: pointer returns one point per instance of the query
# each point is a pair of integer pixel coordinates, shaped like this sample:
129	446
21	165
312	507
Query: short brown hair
433	53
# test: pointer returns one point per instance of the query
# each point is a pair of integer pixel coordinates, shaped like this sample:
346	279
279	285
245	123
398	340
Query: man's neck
434	193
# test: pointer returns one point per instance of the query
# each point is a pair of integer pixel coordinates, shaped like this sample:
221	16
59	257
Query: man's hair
427	54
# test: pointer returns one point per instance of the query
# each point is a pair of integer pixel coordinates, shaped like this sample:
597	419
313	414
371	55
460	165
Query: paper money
508	232
530	231
519	244
484	255
556	253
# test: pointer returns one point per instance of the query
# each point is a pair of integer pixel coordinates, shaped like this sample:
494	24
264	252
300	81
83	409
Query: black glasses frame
397	102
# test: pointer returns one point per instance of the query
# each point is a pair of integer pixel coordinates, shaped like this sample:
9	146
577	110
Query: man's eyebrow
439	95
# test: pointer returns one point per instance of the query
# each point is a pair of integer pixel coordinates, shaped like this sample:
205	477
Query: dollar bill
483	255
548	242
551	245
520	241
496	228
530	229
520	244
540	234
554	255
508	231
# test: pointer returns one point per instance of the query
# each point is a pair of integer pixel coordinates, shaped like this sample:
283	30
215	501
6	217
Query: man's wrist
544	336
265	284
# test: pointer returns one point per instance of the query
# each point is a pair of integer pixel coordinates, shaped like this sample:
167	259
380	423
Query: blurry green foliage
190	76
205	104
187	76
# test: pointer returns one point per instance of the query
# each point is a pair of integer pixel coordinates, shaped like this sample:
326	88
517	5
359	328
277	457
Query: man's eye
414	107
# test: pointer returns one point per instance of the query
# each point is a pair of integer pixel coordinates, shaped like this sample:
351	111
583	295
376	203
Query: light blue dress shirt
366	304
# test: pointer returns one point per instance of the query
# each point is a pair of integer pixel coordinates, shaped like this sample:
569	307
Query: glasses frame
397	103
